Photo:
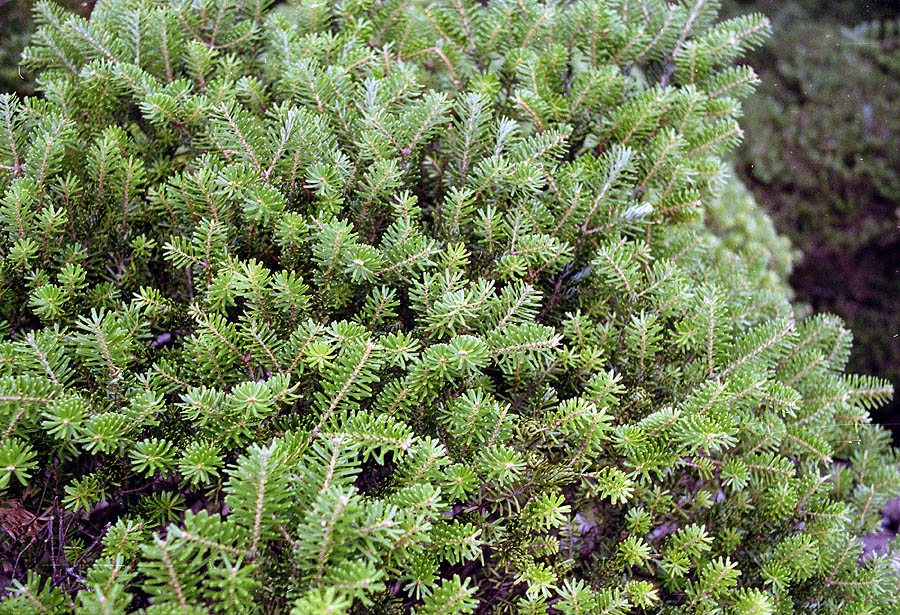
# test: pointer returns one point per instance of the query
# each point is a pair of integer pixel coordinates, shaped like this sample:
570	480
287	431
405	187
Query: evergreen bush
371	307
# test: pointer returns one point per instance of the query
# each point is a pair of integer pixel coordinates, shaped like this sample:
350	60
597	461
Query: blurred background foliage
15	28
821	153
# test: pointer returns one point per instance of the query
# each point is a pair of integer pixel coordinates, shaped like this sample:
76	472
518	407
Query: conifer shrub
386	307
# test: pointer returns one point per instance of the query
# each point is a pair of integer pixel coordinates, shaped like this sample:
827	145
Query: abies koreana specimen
369	307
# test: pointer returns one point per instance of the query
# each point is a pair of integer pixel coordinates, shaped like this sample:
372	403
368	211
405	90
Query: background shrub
821	156
16	27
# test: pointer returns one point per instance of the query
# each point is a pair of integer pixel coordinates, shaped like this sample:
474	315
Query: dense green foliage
821	154
395	307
